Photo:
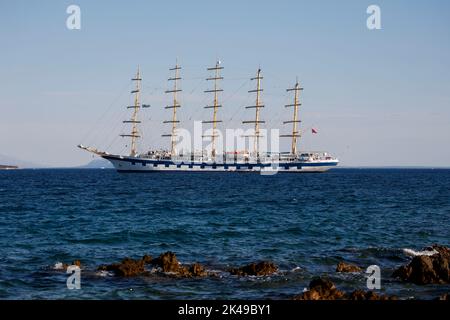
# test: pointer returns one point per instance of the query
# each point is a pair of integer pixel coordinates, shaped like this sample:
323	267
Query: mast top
296	87
258	75
216	67
138	75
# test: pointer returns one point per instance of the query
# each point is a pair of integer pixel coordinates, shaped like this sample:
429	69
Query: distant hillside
11	161
97	164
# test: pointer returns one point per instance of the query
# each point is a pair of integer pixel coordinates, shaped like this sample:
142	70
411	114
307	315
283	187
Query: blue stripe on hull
238	166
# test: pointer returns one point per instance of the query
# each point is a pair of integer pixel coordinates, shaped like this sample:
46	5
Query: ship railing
305	156
308	156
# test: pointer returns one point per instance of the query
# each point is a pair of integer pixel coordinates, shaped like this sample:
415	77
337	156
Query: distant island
97	164
7	167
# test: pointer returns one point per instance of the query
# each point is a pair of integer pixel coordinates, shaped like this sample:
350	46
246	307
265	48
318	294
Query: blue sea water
305	223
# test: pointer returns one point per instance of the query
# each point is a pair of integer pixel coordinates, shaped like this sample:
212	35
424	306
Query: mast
295	132
134	135
174	106
257	106
215	105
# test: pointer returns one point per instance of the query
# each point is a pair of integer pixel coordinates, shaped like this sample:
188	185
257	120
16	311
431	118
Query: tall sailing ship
212	160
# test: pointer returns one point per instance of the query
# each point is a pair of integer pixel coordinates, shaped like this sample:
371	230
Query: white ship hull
143	165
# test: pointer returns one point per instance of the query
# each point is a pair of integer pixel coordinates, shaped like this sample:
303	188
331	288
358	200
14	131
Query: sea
304	223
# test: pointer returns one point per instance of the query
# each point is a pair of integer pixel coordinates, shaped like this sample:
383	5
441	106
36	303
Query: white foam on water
104	273
413	253
58	266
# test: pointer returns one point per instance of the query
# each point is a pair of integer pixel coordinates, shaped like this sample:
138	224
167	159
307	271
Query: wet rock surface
126	268
324	289
368	295
321	289
347	267
197	270
147	259
424	269
168	262
262	268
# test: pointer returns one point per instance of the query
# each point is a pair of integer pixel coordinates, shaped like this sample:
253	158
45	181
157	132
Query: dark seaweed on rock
427	269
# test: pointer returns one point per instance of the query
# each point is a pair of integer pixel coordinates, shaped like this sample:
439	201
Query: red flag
314	131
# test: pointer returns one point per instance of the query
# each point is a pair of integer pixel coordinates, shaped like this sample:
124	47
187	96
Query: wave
58	266
103	273
413	253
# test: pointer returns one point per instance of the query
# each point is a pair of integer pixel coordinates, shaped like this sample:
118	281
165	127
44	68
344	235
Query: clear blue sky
377	97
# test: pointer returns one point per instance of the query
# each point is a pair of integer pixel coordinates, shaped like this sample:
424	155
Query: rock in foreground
347	267
324	289
166	263
368	295
424	269
263	268
321	289
126	268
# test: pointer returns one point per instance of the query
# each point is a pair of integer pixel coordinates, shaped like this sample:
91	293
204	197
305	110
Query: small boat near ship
8	167
215	160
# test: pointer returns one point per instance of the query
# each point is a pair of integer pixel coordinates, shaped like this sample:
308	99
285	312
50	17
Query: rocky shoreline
166	264
430	266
